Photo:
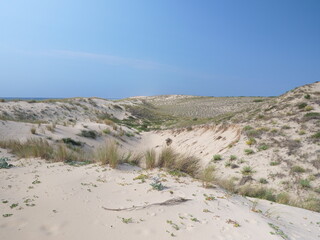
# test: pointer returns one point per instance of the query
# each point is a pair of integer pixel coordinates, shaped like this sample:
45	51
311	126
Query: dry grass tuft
108	153
150	157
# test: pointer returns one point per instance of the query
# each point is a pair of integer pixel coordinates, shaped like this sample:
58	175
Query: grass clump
33	147
275	163
316	135
260	192
167	158
207	176
263	181
302	105
89	134
247	170
297	169
312	115
251	141
305	183
217	157
249	151
263	147
150	157
33	130
233	158
70	141
108	154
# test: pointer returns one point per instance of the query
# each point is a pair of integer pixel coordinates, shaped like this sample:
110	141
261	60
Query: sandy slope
68	204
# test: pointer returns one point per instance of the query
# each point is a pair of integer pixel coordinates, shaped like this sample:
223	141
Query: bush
307	96
150	156
233	157
89	134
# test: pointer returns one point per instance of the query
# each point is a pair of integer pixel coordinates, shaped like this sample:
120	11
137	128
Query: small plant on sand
217	157
207	176
51	127
33	130
108	153
297	169
305	183
263	147
89	134
278	231
157	185
263	181
127	220
167	158
233	158
251	141
150	156
249	151
247	170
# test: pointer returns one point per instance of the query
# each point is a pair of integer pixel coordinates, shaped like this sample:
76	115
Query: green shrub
307	96
233	157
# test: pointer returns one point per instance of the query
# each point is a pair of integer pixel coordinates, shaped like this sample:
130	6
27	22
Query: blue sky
121	48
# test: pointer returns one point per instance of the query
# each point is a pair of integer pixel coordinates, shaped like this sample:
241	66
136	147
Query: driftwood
170	202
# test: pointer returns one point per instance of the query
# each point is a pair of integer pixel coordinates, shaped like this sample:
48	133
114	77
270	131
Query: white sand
69	204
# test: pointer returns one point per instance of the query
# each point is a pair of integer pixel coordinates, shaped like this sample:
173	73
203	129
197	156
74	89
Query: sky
123	48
